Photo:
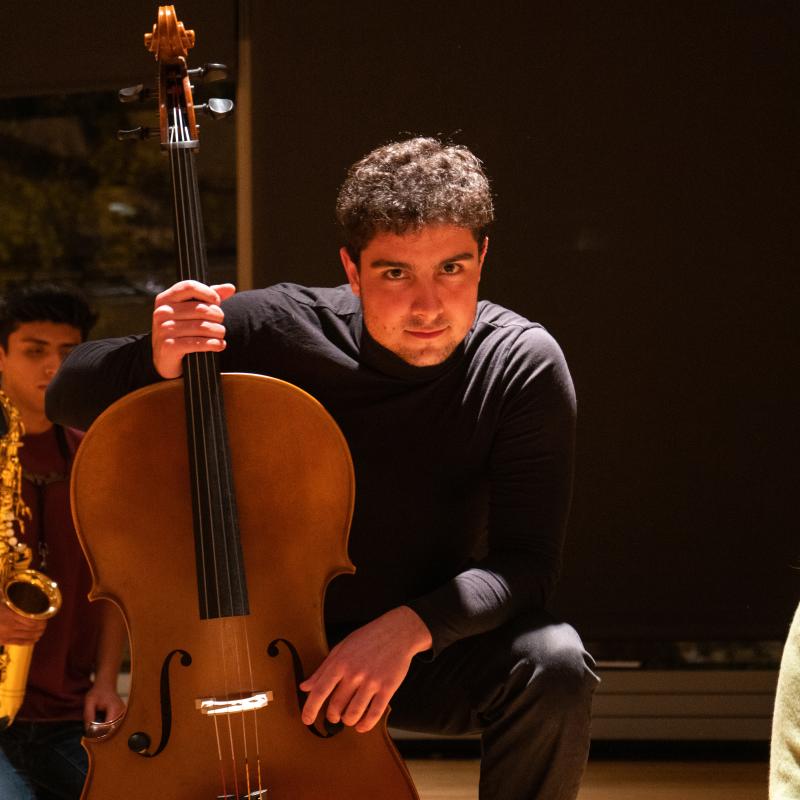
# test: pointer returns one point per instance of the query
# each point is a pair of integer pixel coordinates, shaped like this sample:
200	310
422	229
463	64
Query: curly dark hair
44	302
405	185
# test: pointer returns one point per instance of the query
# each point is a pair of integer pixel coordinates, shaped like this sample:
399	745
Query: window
79	206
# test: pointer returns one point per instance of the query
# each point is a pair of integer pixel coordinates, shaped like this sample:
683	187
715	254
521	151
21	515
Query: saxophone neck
13	509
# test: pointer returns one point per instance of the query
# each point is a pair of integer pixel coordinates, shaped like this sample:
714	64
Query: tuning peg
134	94
138	133
216	107
209	72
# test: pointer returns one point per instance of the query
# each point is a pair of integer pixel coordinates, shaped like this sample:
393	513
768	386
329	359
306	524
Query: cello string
223	468
217	423
193	364
224	476
204	362
255	711
183	273
233	757
219	754
177	133
197	378
207	374
235	622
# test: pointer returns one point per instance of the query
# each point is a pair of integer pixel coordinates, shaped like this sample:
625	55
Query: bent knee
557	660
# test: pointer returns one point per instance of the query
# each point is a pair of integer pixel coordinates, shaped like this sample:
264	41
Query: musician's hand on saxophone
15	629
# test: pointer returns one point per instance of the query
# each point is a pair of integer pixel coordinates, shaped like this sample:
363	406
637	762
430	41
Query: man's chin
428	357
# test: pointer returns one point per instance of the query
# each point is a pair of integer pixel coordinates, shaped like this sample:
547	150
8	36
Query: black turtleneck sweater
463	470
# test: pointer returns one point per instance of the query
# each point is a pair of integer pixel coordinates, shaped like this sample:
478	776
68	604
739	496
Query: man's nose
52	364
426	299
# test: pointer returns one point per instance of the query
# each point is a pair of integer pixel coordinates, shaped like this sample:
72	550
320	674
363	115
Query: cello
213	511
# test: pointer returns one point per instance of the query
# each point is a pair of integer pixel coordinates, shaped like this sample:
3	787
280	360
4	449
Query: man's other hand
102	703
363	671
187	318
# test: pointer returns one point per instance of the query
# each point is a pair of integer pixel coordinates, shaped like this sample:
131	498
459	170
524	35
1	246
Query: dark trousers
526	687
49	755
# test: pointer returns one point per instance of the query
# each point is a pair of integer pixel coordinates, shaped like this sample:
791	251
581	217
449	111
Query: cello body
294	489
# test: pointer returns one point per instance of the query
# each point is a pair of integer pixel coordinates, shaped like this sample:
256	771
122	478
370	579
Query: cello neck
221	581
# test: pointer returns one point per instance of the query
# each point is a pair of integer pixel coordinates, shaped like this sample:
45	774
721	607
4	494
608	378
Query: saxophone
26	592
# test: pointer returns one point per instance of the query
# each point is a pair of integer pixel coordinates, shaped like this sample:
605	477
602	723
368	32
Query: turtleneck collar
381	359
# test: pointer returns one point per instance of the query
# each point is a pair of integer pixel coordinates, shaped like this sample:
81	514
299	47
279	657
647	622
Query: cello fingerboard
221	582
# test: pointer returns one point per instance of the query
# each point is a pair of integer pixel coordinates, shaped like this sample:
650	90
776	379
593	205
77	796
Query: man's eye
451	269
393	274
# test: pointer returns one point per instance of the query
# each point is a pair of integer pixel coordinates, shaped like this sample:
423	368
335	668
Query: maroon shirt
64	658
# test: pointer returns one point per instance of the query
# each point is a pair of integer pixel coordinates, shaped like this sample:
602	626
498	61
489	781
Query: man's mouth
427	334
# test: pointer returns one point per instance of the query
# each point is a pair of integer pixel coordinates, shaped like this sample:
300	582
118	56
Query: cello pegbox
169	43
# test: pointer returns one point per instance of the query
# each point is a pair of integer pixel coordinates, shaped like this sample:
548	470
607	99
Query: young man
39	326
460	420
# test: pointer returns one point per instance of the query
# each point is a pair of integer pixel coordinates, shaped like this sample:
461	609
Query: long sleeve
96	374
529	489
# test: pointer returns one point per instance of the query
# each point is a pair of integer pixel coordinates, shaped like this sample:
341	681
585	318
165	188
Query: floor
448	779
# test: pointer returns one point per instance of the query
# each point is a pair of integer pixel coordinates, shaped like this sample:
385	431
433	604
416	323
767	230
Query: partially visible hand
187	318
102	702
15	629
363	671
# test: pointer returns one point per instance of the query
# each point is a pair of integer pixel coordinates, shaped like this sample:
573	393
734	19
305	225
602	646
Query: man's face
34	353
418	290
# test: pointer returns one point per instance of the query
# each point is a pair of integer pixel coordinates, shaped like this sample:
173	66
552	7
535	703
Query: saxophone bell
31	594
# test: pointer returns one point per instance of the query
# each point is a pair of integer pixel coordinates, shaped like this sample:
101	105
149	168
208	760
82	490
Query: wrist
105	681
417	631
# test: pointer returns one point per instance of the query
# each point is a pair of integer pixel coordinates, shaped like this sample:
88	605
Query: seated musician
39	325
460	419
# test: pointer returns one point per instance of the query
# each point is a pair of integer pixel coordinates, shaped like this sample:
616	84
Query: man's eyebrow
34	340
385	262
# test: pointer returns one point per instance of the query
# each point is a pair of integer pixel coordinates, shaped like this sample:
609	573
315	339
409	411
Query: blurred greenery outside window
80	207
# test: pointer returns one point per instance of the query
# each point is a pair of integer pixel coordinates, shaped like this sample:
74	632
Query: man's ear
482	256
351	270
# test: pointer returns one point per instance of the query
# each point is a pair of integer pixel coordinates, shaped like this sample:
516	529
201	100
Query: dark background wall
642	156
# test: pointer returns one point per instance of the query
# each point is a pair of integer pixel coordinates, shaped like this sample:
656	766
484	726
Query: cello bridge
213	706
